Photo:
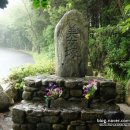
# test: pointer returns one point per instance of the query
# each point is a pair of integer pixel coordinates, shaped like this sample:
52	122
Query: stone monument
71	41
69	111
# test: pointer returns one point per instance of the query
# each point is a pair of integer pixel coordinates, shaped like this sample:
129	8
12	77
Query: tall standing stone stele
71	45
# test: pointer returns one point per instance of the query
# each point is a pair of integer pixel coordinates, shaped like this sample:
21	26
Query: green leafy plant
124	25
40	3
17	74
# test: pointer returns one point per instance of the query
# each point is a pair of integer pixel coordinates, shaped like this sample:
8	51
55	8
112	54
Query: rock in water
4	101
71	45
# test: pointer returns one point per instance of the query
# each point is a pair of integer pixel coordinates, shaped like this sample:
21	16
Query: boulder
4	101
11	92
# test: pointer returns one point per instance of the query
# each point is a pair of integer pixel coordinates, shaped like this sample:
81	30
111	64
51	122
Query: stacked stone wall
68	112
34	90
34	116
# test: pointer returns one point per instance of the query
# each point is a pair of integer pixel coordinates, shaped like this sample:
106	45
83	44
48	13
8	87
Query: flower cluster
53	91
89	90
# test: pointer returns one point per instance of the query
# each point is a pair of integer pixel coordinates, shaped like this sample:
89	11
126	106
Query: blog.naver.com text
113	122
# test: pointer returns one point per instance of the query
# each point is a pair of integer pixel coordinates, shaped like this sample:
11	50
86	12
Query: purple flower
53	91
90	88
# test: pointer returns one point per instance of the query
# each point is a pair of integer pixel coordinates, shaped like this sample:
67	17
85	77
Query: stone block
70	83
44	126
36	113
31	126
45	82
29	81
24	127
75	93
93	126
81	128
30	89
114	115
66	93
27	95
74	99
38	83
91	115
107	91
70	127
16	126
50	119
58	127
18	115
107	83
32	119
77	123
51	112
60	102
60	82
35	99
70	115
40	93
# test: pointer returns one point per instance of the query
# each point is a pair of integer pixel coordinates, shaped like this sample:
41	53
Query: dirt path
6	122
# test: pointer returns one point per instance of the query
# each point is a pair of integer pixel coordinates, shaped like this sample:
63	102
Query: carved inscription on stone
72	38
71	41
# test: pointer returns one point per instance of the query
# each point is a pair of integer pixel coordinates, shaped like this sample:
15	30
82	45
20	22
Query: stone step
126	109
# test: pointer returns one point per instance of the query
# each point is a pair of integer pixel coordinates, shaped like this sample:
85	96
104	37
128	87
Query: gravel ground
6	122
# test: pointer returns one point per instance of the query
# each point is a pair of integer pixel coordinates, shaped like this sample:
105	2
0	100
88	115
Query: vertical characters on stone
71	41
71	48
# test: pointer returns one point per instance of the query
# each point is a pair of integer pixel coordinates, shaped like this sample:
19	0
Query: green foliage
48	39
40	3
125	24
17	74
100	42
109	50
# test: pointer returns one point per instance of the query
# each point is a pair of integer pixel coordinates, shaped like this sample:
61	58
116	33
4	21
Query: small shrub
17	74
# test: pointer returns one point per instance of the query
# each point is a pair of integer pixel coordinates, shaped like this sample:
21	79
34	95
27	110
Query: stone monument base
68	112
34	116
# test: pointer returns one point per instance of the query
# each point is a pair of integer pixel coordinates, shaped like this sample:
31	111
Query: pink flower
49	94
